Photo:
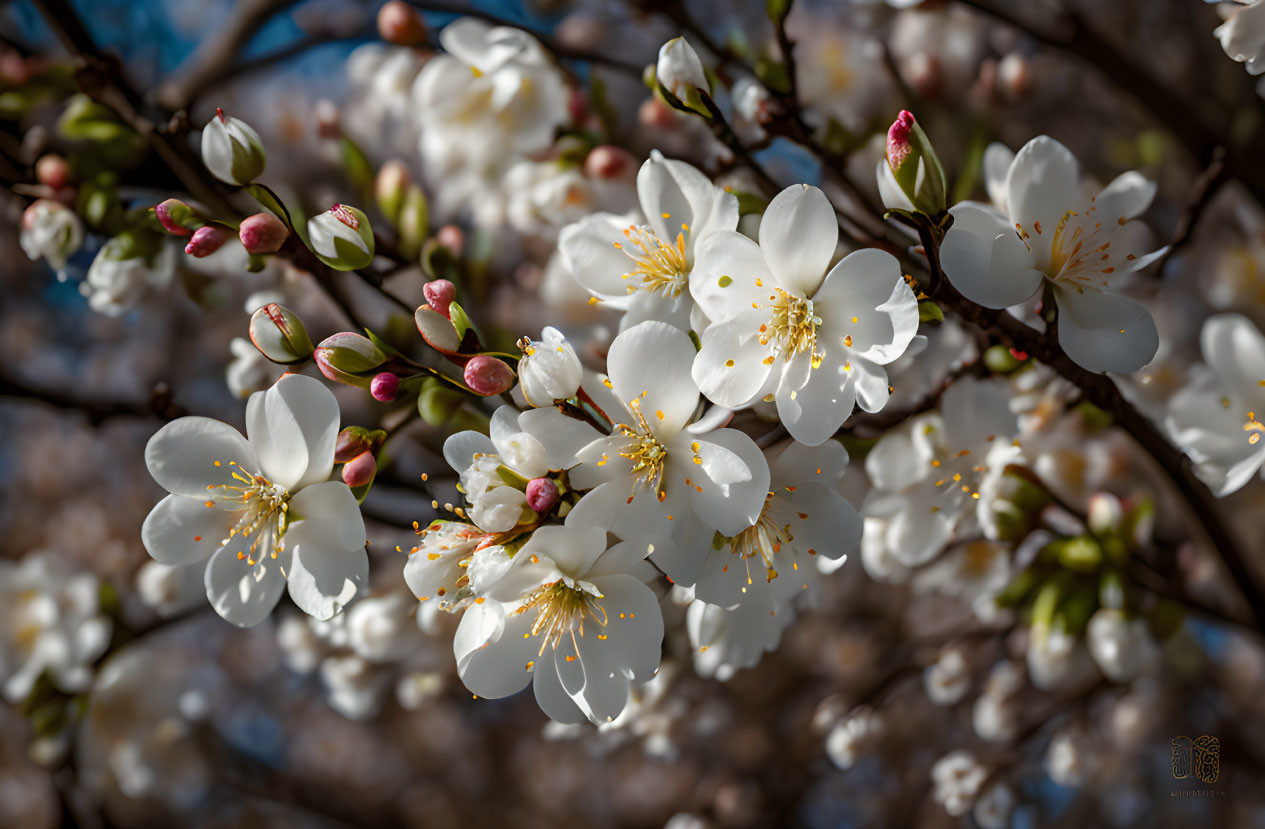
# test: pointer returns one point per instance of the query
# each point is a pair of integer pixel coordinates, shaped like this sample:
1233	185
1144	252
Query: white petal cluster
935	476
116	285
1043	231
1242	35
52	623
51	231
1219	418
260	510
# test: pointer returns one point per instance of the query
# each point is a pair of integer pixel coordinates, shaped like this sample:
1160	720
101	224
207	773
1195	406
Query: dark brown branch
97	410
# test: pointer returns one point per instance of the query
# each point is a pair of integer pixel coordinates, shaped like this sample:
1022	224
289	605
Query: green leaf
512	478
270	200
750	203
928	311
773	74
359	168
460	320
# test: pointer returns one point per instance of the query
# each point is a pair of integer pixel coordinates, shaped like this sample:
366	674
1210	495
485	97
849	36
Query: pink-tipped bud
262	233
207	240
352	441
542	495
360	470
400	24
451	237
487	375
384	386
898	147
609	162
53	170
440	294
173	214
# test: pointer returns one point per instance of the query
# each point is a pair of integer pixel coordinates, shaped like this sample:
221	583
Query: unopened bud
487	375
549	370
440	294
436	402
680	72
609	162
542	495
176	217
53	170
400	24
360	470
262	233
1014	77
384	386
911	177
207	240
341	237
353	441
390	187
655	114
232	150
413	222
348	354
279	334
451	237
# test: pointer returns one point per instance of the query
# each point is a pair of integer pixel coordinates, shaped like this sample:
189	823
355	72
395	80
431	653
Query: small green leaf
460	320
270	200
750	203
928	311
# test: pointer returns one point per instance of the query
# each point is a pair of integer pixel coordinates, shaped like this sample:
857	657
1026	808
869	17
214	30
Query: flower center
647	453
961	477
264	508
659	267
1080	252
792	327
764	539
561	610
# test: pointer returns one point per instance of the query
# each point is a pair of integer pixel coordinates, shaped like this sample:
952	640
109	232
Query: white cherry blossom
260	510
643	266
1242	35
1045	231
565	616
935	475
659	468
1219	418
787	327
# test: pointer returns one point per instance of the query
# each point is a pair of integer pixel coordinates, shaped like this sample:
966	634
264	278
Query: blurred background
362	721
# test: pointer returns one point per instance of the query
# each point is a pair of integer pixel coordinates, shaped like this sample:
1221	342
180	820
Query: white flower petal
562	437
572	548
727	266
997	160
798	235
797	463
191	453
181	530
323	577
1126	197
824	523
734	478
460	449
492	651
866	298
976	411
1105	332
1235	349
817	410
731	367
292	428
552	698
986	260
651	363
1042	185
241	593
588	249
330	512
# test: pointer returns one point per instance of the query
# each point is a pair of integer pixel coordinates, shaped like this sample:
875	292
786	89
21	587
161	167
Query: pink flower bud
487	375
171	215
655	114
451	237
53	170
440	294
542	495
400	24
262	233
898	147
609	162
384	387
207	240
360	470
351	442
